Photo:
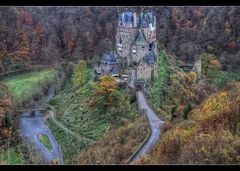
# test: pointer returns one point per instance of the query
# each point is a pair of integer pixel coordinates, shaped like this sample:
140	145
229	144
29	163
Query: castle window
143	47
150	46
134	50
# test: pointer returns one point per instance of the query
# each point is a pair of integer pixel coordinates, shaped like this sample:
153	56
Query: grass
11	156
209	136
160	83
24	86
116	146
220	78
70	145
74	113
45	141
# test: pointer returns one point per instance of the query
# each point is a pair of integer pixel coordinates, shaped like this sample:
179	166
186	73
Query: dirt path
52	115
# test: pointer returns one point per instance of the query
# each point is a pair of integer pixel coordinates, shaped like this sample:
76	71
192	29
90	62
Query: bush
173	110
209	136
186	111
79	74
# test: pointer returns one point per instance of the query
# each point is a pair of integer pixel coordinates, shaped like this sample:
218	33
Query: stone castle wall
128	33
144	72
141	51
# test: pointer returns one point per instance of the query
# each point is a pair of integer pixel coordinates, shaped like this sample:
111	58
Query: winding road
32	126
153	120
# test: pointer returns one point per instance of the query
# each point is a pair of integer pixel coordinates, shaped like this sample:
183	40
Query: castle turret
126	33
136	37
134	19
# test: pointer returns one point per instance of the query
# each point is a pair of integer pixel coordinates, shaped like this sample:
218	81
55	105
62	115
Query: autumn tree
107	89
80	74
215	64
210	63
5	112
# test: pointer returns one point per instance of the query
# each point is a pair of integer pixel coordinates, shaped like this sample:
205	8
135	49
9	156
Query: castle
136	44
109	63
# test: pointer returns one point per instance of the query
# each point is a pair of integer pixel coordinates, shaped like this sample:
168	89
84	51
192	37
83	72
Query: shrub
209	136
79	74
186	111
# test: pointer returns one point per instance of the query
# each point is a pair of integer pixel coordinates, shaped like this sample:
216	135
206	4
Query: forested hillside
43	35
48	65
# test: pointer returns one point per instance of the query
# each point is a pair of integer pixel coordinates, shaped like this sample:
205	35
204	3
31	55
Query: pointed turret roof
149	58
109	58
141	37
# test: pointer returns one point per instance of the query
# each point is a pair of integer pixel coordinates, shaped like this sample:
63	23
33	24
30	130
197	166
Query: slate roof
149	58
145	19
128	17
125	17
141	37
109	58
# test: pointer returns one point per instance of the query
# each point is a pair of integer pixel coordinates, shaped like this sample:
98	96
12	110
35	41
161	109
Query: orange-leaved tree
210	63
106	88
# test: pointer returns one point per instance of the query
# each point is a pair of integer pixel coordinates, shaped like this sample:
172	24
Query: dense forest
43	35
52	53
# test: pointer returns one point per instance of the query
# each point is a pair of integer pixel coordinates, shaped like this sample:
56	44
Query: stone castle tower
136	36
136	42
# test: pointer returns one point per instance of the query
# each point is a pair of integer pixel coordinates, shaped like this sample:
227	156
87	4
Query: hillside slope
34	35
210	136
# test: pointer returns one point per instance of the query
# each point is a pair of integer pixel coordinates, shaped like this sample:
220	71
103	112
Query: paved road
30	128
154	121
